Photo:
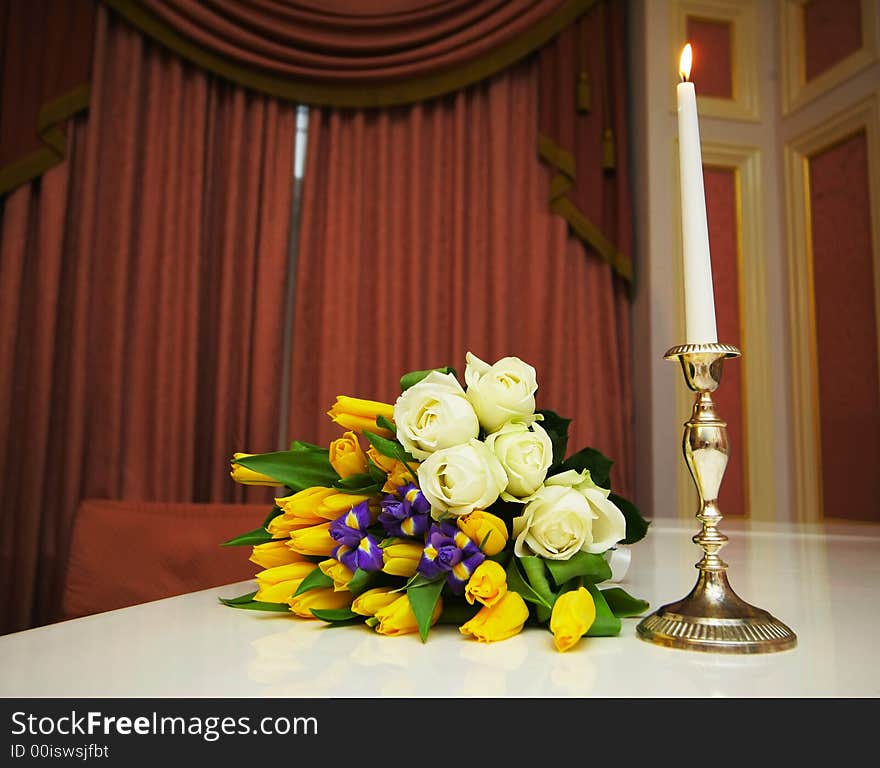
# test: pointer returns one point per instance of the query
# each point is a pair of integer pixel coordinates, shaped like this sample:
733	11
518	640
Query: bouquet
453	505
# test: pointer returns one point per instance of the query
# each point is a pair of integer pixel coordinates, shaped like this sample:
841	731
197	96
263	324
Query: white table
824	582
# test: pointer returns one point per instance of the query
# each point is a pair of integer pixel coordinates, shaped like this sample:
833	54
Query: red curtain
381	53
426	233
45	70
582	131
141	286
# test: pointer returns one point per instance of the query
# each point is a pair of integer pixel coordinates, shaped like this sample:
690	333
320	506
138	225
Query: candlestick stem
712	617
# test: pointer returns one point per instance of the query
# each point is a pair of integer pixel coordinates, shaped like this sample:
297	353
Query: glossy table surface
823	581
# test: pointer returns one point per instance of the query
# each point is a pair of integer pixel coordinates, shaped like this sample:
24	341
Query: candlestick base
712	617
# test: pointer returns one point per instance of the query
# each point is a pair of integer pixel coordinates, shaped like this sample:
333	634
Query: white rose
526	454
434	414
458	480
609	524
500	392
569	514
555	524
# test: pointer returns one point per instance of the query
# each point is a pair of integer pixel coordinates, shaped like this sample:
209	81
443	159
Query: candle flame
685	62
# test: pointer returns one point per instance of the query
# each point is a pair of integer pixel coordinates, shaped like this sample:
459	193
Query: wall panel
846	329
832	195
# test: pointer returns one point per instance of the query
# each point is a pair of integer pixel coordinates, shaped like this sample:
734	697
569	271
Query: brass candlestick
712	617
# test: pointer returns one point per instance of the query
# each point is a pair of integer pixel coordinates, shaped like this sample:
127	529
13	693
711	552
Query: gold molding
807	458
742	15
757	392
795	90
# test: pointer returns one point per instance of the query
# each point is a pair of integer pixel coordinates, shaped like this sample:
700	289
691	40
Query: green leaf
537	576
276	510
353	481
516	583
414	377
622	604
254	605
636	525
595	461
606	623
302	446
360	582
390	448
592	568
304	466
457	613
384	423
379	476
362	484
251	538
336	615
240	599
556	427
317	579
423	599
416	580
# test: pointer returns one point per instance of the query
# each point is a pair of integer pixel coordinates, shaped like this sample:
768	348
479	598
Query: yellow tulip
359	415
274	553
337	503
281	526
338	572
367	603
310	507
401	474
486	530
304	499
322	599
276	584
315	540
397	618
402	557
398	472
487	584
504	619
385	463
245	476
346	455
573	614
297	511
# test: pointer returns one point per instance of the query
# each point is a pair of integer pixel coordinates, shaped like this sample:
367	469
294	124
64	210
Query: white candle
699	298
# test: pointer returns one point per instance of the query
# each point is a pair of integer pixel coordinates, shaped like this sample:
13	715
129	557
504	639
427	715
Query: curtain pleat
143	283
425	234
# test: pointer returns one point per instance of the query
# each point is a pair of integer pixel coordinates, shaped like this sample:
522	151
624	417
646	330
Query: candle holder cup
712	617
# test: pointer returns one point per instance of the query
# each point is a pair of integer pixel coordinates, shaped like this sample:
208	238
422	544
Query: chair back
129	552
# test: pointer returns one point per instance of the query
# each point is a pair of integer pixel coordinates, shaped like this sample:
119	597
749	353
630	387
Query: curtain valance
353	53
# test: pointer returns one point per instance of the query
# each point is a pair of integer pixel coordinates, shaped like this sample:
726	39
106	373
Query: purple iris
450	551
405	512
349	528
357	548
366	555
